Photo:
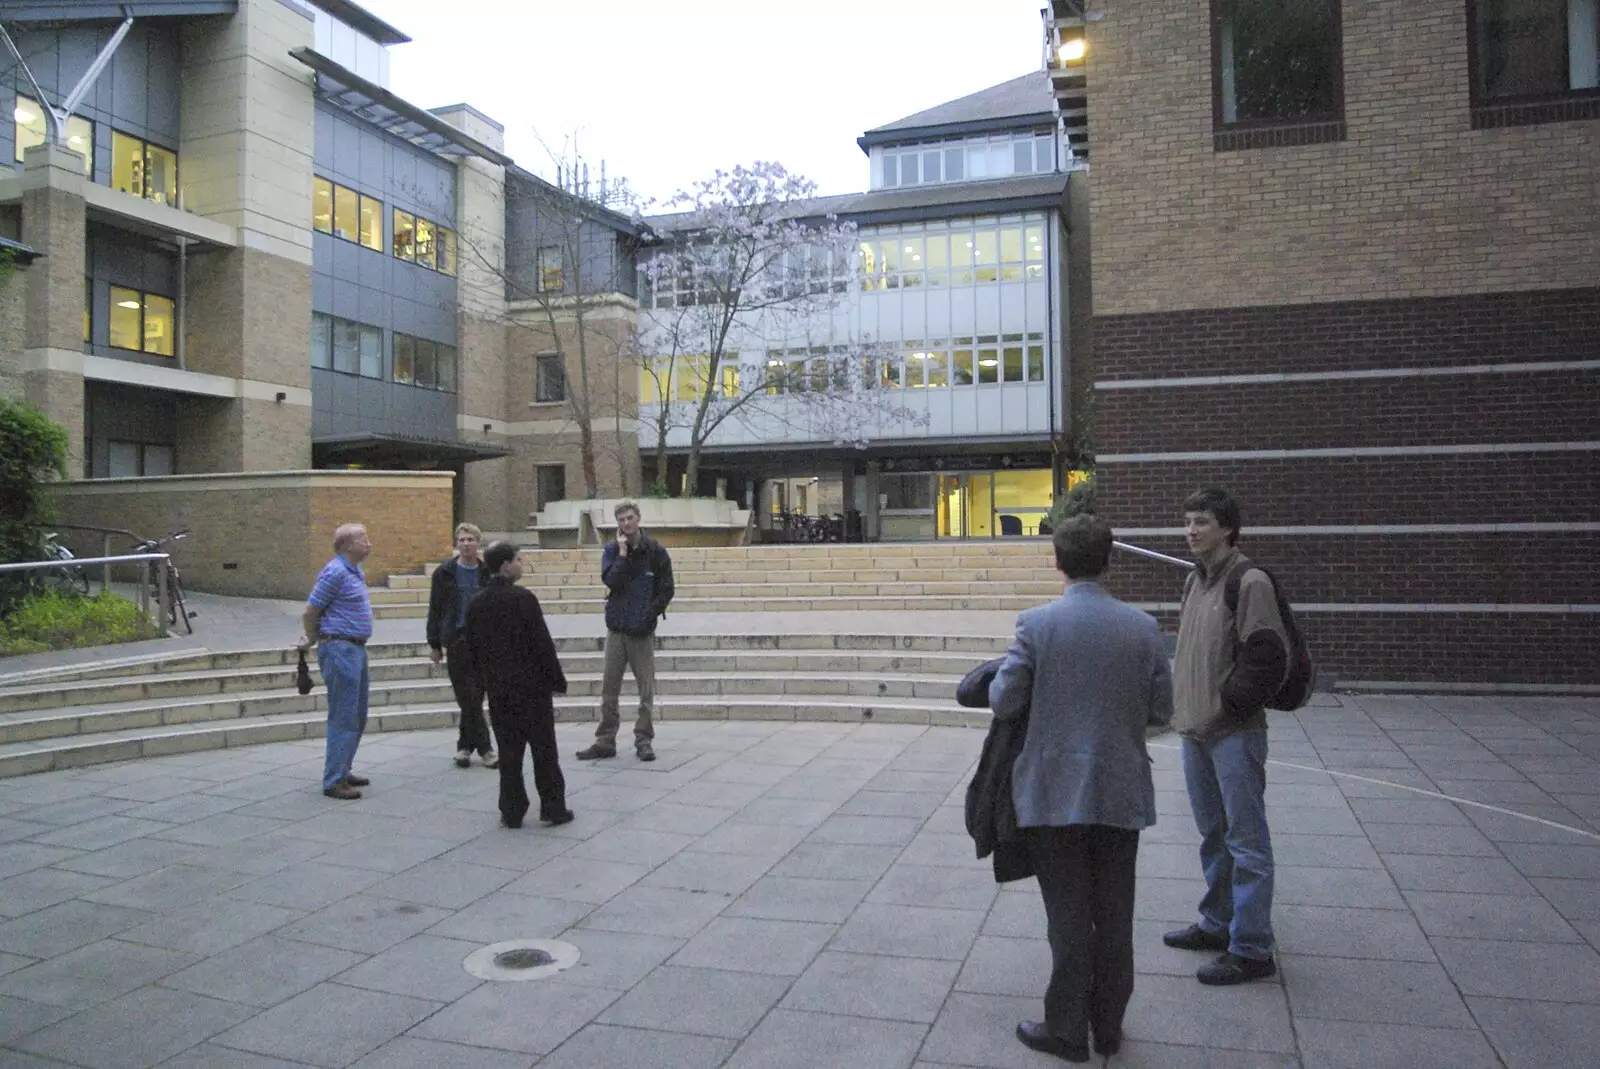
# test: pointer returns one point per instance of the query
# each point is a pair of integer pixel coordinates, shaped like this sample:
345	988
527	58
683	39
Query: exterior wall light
1073	49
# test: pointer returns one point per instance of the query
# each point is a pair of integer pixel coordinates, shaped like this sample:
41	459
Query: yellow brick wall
1414	203
274	528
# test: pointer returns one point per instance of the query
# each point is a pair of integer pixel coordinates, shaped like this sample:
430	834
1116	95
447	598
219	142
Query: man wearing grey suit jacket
1091	674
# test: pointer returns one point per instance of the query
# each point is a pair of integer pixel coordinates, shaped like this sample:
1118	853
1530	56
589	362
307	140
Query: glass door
952	505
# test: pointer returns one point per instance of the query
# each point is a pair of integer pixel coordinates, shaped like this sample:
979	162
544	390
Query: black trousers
1086	876
527	721
474	731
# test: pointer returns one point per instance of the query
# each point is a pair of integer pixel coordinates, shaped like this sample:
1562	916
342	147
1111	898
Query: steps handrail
1177	562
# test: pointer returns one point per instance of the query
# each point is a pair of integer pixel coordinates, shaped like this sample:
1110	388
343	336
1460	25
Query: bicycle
177	610
65	578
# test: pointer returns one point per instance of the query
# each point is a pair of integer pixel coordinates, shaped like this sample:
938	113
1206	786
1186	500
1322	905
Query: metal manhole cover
521	959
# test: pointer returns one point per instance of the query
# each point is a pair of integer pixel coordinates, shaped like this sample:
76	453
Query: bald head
351	542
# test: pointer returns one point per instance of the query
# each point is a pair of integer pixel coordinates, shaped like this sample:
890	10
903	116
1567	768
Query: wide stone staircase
931	576
180	703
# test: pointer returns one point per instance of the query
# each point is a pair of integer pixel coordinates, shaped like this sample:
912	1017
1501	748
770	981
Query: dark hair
498	555
1218	502
1083	546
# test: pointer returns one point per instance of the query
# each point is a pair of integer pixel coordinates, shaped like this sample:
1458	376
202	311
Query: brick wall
1417	248
275	529
1414	203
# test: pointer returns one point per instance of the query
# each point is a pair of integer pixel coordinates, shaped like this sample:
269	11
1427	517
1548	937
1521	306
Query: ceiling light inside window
25	114
128	304
988	362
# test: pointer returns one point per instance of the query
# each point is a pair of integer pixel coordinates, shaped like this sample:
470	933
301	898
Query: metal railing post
163	595
105	569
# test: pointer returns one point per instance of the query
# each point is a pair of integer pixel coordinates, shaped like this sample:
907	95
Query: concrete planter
673	521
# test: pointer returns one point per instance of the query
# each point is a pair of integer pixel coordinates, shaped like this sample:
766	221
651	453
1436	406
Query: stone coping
253	480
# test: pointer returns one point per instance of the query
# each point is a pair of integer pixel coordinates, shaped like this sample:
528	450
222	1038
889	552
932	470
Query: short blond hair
627	506
469	528
346	533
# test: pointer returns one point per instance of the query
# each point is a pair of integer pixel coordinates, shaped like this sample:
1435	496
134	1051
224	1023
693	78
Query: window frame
442	358
549	388
542	273
1277	133
1526	109
145	145
143	313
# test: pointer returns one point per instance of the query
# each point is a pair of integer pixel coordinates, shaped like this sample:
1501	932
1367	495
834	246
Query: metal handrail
105	543
161	561
1186	565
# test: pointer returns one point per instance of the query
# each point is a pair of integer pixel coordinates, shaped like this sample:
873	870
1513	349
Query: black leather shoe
645	751
1231	969
1035	1036
564	817
507	822
357	781
1195	937
1106	1046
597	753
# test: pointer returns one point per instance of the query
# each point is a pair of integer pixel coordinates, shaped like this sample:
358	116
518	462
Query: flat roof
374	104
92	10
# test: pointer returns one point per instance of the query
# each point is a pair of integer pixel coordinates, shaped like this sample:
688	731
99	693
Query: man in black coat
513	655
455	583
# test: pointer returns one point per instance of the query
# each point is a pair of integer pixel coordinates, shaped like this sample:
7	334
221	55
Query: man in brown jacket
1229	662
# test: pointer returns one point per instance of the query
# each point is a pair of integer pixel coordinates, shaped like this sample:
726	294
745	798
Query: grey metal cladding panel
374	308
372	269
322	292
163	86
347	152
322	252
346	299
322	152
346	257
416	411
322	421
130	68
436	306
322	390
370	167
372	396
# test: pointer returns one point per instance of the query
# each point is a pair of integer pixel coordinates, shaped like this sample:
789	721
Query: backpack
1301	678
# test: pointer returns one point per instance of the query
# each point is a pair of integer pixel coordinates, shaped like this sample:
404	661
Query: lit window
405	233
961	364
420	362
346	213
912	261
730	377
961	258
938	375
648	393
427	363
32	128
372	223
938	258
1011	254
988	360
88	308
371	366
447	251
984	255
425	246
127	319
1012	364
1035	357
158	325
144	170
551	278
445	378
322	205
1033	240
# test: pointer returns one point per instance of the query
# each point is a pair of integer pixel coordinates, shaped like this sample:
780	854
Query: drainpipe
180	345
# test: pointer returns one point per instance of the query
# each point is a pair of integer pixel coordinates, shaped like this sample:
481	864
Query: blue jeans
344	670
1227	780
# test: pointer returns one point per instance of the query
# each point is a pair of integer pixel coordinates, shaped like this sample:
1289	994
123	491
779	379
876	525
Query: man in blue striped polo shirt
338	620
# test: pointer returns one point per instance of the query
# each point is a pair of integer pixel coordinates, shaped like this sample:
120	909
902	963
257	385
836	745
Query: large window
424	243
420	362
344	213
958	258
347	347
1277	72
143	169
999	156
126	460
142	322
1533	52
552	483
550	377
33	129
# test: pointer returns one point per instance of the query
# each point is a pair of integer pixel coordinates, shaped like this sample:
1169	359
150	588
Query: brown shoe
342	791
357	781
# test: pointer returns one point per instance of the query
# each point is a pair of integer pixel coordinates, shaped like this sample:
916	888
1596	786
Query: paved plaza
790	895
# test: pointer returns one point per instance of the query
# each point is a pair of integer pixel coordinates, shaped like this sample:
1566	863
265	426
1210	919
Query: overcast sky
666	91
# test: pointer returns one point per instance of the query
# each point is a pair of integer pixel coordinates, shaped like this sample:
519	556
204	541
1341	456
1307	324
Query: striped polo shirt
341	594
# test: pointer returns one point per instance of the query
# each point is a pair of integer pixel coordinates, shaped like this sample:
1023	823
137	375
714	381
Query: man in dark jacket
455	583
637	572
511	651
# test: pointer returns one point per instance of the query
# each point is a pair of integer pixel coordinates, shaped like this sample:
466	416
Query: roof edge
359	18
874	138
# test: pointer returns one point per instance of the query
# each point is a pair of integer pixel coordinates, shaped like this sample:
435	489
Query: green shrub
51	621
33	452
1081	498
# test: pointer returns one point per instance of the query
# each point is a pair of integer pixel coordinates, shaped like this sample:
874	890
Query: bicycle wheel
177	611
67	579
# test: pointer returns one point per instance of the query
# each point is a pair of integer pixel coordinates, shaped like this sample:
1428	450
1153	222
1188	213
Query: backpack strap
1232	581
